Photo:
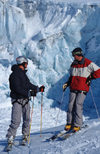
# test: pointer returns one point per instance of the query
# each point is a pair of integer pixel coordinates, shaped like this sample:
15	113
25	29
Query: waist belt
21	101
78	91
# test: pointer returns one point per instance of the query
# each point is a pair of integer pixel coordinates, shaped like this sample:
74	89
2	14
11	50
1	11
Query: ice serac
46	31
12	26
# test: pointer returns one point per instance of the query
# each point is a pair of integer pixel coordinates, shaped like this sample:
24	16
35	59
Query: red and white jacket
79	72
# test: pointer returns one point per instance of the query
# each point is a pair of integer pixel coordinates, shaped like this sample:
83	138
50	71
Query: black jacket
20	84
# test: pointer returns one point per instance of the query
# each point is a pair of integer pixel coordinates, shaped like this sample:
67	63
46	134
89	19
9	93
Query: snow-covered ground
87	141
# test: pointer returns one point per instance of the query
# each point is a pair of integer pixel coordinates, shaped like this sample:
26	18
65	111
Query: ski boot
68	127
10	141
24	140
76	128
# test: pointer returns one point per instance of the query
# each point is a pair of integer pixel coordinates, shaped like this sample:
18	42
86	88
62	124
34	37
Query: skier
21	90
82	71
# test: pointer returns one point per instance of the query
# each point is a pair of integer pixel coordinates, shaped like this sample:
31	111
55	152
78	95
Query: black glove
33	93
88	80
41	89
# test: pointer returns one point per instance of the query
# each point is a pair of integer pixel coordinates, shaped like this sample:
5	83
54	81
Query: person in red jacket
82	71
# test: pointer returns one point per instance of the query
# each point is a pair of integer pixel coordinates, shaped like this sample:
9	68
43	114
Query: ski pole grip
42	88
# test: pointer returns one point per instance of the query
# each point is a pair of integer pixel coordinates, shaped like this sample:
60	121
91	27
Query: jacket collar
75	62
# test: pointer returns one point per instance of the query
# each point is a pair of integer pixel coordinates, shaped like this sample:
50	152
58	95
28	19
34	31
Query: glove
33	93
65	86
41	89
88	80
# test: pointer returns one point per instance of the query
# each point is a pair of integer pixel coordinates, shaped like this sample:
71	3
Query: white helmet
21	59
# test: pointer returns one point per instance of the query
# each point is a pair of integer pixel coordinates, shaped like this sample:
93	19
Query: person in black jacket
21	89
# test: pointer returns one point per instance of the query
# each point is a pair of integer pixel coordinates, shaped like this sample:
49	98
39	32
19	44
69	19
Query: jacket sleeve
15	86
33	87
70	77
69	81
95	70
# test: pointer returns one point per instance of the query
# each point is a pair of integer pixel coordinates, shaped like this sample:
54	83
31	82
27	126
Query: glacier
46	32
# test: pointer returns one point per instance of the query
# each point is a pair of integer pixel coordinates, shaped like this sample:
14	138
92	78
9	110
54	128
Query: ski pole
94	103
31	120
59	108
41	114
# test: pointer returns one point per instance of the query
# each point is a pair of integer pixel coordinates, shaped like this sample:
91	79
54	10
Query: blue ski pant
75	109
20	108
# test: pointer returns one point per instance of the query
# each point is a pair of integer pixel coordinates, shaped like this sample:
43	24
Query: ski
71	133
61	133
